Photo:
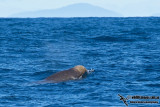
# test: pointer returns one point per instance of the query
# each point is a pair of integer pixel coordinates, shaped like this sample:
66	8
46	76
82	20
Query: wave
120	38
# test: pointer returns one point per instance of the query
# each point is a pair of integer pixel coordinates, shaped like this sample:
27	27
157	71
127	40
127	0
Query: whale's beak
87	73
90	71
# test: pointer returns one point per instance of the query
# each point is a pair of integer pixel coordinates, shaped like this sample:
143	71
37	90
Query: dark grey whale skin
70	74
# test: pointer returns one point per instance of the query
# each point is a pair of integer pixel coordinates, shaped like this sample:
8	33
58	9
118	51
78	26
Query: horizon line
82	17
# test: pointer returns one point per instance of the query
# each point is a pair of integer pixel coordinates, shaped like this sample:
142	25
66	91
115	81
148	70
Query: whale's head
83	71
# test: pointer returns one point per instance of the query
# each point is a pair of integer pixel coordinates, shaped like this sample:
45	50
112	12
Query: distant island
75	10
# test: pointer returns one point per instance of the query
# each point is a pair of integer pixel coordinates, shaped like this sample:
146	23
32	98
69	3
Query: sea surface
125	53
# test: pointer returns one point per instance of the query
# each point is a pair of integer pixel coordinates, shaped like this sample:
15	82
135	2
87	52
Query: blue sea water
125	53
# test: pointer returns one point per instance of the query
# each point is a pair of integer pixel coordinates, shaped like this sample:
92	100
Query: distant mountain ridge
74	10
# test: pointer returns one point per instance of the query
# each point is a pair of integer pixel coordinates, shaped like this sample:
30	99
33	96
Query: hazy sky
124	7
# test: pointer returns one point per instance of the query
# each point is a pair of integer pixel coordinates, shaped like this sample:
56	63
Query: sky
127	8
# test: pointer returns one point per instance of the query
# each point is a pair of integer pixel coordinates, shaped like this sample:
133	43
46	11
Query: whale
75	73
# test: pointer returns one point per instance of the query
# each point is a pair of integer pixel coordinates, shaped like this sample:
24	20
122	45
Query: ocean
124	52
